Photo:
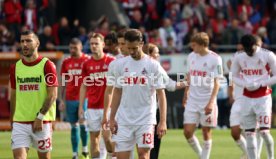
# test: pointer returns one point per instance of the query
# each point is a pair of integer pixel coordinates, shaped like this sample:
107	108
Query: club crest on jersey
76	64
98	67
144	72
105	66
126	69
91	68
205	64
70	66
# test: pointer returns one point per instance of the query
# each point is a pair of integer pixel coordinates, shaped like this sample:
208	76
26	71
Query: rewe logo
29	87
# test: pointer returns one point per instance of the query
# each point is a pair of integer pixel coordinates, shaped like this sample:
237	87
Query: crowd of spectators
166	23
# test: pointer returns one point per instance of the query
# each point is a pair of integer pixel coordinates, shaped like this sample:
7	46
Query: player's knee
143	153
235	134
188	133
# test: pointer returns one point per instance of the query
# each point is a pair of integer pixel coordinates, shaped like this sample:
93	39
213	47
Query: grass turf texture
173	146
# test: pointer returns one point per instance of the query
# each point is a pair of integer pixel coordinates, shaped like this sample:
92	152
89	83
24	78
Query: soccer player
71	73
255	64
236	93
138	80
94	83
111	76
111	45
33	94
153	51
205	70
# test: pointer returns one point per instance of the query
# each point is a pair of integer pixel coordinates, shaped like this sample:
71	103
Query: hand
37	125
161	129
61	106
81	114
209	108
187	79
253	86
113	126
105	123
231	100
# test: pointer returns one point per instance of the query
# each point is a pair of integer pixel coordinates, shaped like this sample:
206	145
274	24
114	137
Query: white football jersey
139	81
202	71
254	69
112	69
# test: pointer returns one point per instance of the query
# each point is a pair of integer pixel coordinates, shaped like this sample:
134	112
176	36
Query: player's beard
29	53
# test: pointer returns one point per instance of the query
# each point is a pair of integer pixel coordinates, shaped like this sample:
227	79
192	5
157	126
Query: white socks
206	149
251	141
242	144
194	143
259	144
268	140
103	152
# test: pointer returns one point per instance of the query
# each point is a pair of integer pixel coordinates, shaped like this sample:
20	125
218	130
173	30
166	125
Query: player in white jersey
255	64
171	85
205	70
236	93
138	81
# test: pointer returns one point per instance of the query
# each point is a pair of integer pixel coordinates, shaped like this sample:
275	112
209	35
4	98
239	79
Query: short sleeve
159	77
217	69
110	78
50	74
12	76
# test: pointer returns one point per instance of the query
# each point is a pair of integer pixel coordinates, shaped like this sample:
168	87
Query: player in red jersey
71	74
94	83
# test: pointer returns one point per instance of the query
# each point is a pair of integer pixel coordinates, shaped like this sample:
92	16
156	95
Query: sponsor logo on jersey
198	73
29	83
98	75
135	80
29	79
251	72
74	72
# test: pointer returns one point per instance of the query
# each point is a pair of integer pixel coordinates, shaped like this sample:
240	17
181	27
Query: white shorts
256	111
94	119
195	114
235	116
128	136
23	136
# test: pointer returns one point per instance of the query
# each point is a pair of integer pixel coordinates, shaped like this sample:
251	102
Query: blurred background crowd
167	23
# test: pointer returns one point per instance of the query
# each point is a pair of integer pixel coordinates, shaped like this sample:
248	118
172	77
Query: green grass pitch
173	146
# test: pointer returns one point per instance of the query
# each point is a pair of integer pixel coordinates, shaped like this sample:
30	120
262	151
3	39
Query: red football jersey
94	77
71	70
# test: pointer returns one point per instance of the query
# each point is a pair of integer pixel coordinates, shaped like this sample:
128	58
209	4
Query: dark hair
75	41
133	35
28	32
112	36
248	41
121	33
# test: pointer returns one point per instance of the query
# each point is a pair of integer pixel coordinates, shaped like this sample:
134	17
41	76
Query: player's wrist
40	116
